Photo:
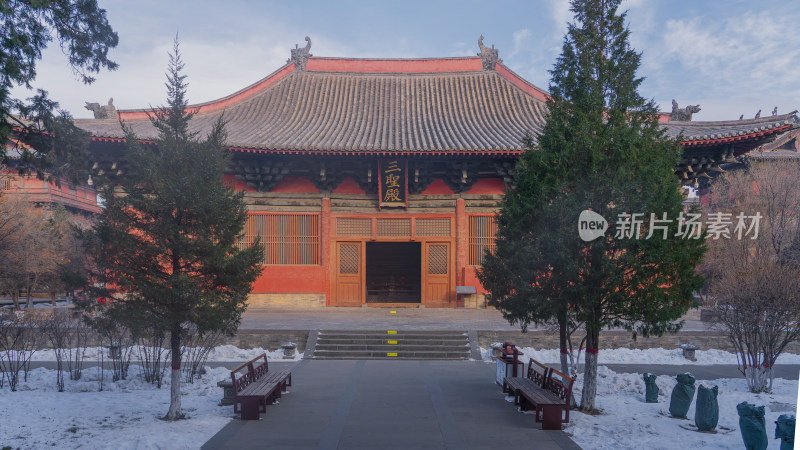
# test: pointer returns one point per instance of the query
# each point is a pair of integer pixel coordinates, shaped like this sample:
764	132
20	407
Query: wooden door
349	274
437	262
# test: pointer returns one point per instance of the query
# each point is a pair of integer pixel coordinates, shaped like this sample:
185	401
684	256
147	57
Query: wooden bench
536	375
546	391
257	387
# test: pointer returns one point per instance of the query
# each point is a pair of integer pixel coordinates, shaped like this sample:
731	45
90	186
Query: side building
376	181
80	201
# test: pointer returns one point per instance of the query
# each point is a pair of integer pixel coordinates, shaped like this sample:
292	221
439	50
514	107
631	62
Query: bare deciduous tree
32	247
755	282
196	347
20	337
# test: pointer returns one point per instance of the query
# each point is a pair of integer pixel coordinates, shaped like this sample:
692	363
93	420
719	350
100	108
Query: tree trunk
28	296
53	297
563	341
15	297
174	412
590	370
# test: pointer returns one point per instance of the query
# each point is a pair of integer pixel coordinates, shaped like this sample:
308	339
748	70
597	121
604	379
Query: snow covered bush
20	337
197	345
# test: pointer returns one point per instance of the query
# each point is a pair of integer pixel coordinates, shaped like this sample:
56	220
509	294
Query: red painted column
462	240
325	235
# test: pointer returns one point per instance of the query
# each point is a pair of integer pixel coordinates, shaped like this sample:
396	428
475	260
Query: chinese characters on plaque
392	185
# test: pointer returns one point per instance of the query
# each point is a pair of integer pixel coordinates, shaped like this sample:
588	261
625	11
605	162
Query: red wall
295	183
237	184
470	279
487	186
290	279
437	186
481	186
348	186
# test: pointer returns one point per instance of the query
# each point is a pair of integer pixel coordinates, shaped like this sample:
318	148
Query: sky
731	57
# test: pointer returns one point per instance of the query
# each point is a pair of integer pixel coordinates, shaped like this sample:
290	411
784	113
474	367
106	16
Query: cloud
521	40
216	65
748	56
560	14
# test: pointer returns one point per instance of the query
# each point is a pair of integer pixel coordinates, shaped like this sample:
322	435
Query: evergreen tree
601	150
55	147
166	242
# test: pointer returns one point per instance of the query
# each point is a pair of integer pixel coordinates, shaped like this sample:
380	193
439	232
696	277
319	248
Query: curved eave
392	153
734	139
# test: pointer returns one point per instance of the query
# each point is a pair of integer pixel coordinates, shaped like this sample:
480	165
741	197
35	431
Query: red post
462	236
515	359
325	248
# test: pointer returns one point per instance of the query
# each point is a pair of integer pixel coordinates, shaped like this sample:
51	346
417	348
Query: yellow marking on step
391	342
391	354
392	312
391	332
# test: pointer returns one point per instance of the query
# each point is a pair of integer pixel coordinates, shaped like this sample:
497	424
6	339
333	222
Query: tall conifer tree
166	242
601	150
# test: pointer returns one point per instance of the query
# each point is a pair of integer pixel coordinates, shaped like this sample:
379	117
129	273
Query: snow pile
220	353
643	356
627	421
125	415
233	353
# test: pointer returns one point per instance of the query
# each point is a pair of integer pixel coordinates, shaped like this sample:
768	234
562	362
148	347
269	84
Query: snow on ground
125	415
220	353
644	356
628	422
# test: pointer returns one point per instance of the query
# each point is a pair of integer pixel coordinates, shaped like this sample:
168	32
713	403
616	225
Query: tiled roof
436	105
774	155
348	111
704	133
786	141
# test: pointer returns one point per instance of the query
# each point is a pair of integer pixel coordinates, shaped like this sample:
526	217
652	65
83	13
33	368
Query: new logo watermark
591	225
630	225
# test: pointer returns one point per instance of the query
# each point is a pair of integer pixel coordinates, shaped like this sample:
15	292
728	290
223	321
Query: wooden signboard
393	183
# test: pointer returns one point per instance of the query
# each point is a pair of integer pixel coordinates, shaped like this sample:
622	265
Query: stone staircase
390	345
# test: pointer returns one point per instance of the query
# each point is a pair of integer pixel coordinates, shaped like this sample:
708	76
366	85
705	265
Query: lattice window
433	227
482	230
288	239
437	259
348	259
5	184
353	227
394	227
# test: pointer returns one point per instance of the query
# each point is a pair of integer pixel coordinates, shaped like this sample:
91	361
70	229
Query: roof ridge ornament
300	55
682	114
102	112
489	56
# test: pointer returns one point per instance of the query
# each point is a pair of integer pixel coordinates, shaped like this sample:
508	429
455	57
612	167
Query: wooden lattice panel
437	259
288	239
394	227
353	227
433	227
482	230
5	184
348	259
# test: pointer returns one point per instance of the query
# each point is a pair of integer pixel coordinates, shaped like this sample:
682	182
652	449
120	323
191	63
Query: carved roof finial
300	55
682	114
489	56
102	112
775	111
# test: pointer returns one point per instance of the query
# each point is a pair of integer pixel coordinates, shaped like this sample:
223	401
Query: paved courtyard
374	318
391	405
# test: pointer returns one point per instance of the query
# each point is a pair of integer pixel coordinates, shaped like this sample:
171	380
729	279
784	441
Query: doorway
393	272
